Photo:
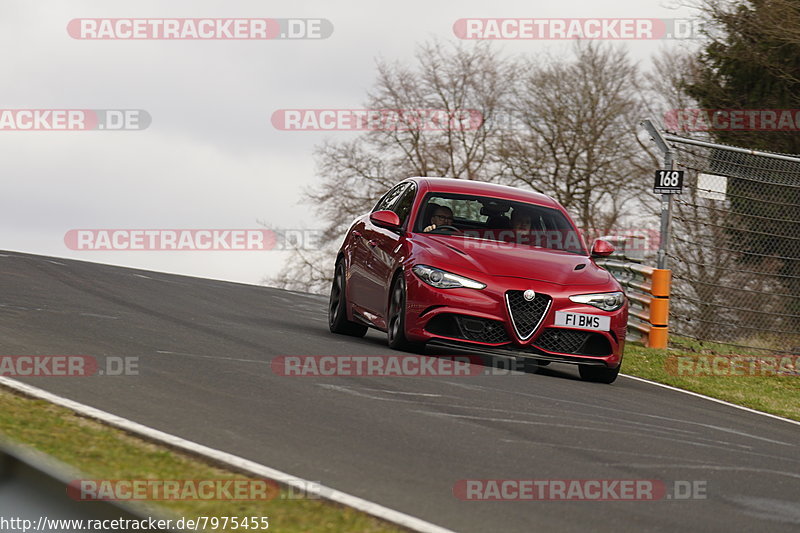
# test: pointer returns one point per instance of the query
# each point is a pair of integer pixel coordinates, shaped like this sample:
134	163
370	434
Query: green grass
102	452
775	394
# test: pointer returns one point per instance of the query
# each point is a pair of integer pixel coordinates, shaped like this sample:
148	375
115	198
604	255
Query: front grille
468	328
573	341
526	316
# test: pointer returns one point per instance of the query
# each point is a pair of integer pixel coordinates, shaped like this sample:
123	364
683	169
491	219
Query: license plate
583	321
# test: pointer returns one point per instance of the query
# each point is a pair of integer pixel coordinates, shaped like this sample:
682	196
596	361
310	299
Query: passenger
521	226
520	220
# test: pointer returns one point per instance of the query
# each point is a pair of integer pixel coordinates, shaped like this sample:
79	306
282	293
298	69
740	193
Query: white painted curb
239	463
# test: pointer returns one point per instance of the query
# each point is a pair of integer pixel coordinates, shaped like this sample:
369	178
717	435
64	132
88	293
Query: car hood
512	260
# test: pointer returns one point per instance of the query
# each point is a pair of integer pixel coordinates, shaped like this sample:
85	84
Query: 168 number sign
668	182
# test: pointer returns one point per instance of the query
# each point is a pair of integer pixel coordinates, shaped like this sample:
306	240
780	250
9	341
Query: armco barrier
647	289
34	486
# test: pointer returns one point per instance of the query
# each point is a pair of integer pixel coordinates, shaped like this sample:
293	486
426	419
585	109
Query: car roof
481	188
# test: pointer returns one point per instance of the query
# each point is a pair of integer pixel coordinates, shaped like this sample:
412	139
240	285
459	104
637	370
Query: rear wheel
396	323
337	307
599	374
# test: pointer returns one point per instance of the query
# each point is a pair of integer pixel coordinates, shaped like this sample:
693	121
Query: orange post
662	279
659	312
659	308
657	338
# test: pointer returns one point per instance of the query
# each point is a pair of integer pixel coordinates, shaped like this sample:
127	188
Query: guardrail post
659	308
648	289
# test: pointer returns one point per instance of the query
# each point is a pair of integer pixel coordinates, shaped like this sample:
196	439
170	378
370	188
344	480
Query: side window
390	198
404	203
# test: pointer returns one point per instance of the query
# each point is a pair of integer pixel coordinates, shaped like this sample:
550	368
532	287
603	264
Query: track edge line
239	463
711	398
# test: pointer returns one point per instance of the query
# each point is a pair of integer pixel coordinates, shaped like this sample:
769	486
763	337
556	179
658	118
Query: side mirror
602	248
385	219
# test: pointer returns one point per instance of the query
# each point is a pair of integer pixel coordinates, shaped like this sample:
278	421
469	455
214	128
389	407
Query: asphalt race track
205	347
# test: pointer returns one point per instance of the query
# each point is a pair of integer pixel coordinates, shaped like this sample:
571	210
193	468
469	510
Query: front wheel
337	307
599	374
396	323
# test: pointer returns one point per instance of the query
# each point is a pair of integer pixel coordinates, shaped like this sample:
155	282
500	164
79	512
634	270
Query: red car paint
373	255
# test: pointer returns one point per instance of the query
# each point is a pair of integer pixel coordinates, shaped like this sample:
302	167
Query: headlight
442	279
607	301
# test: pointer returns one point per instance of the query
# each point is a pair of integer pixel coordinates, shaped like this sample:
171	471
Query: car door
386	246
363	280
358	268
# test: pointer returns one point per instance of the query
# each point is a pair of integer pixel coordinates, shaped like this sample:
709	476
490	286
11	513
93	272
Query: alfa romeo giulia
481	267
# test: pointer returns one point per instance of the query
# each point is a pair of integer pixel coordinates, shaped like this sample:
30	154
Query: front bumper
480	320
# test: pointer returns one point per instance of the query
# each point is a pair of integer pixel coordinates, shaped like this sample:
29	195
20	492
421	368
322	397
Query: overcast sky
210	158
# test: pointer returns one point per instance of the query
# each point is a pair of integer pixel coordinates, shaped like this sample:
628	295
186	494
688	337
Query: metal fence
735	246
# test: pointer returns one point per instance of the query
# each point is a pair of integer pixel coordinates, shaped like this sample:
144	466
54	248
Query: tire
337	307
599	374
396	318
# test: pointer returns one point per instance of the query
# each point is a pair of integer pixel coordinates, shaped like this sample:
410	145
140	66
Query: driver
442	216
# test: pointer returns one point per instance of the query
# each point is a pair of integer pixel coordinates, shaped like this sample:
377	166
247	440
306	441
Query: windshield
496	220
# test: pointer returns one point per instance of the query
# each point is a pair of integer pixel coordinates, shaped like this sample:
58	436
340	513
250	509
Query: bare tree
307	270
451	79
567	129
454	80
576	135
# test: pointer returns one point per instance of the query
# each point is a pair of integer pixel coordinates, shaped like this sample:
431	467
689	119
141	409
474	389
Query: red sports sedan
483	267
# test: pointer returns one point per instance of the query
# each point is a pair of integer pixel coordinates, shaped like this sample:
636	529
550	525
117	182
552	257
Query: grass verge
103	452
775	394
